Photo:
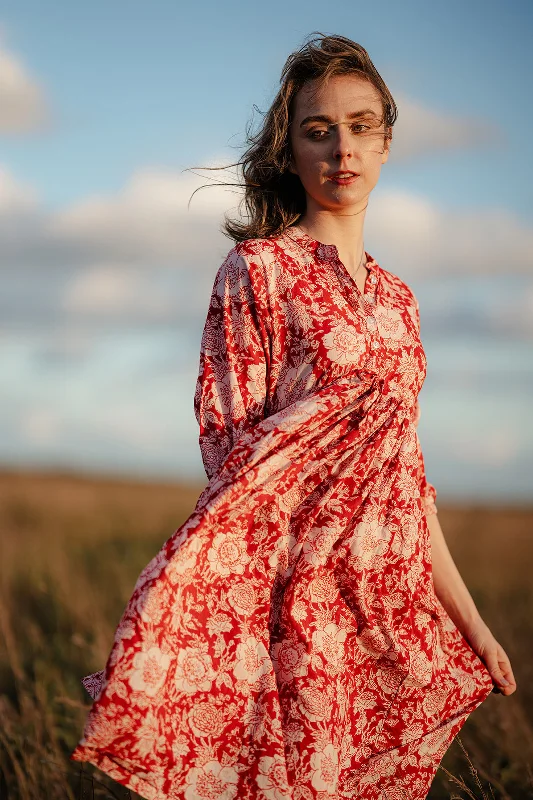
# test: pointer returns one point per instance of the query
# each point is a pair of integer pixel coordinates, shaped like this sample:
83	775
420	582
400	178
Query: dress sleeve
231	388
428	492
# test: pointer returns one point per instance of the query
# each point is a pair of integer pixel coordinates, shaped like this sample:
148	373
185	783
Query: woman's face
349	137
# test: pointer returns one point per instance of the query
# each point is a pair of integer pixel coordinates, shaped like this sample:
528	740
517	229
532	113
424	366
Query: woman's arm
459	605
449	586
231	387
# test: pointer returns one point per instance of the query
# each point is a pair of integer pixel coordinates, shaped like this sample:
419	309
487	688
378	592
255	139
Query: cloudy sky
106	270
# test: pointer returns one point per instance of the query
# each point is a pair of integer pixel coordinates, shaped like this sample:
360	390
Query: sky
107	111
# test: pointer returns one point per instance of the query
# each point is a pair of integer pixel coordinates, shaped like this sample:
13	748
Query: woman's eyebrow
366	112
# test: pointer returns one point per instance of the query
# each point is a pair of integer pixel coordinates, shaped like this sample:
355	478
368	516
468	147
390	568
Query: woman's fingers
505	666
499	666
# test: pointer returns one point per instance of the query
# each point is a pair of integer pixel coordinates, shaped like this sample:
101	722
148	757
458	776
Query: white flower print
149	670
374	641
228	554
194	671
148	734
323	589
279	559
211	782
253	660
345	344
272	778
219	623
243	598
390	323
290	659
318	544
270	466
207	719
297	414
330	643
151	603
314	703
420	669
256	381
406	539
325	765
369	539
184	558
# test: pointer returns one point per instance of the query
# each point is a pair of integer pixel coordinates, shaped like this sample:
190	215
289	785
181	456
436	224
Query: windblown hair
274	197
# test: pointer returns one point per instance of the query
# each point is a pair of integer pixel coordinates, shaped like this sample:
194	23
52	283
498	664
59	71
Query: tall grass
71	549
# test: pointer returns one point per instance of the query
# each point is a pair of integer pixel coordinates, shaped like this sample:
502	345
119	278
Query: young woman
305	633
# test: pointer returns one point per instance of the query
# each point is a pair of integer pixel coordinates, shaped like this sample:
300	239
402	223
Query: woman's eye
317	134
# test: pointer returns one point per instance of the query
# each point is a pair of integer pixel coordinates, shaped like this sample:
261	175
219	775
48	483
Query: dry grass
71	549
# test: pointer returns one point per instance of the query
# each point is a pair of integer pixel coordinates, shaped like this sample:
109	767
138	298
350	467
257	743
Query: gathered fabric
286	643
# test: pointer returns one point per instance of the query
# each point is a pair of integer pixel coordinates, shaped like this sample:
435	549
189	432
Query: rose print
290	659
211	782
325	765
150	669
194	671
253	660
228	554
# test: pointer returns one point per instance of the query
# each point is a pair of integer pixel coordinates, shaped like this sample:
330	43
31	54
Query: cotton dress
286	643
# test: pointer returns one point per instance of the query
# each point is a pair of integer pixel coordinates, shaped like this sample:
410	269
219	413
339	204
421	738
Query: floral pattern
286	642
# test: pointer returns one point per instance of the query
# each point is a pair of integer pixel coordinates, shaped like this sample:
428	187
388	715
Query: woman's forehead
349	92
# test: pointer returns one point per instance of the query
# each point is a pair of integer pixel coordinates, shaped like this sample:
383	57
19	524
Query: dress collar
325	252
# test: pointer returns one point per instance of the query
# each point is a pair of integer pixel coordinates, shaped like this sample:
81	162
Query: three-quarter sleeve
428	492
231	388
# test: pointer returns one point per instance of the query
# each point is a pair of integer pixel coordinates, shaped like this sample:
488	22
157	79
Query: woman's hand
494	657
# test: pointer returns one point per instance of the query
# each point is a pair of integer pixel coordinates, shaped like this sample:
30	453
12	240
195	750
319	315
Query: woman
305	633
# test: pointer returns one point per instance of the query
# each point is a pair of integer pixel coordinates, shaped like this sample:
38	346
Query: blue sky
106	274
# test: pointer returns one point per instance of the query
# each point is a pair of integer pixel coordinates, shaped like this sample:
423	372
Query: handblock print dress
286	643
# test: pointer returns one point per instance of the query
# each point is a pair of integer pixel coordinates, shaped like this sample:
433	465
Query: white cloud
149	220
16	197
114	290
23	105
420	130
416	236
148	224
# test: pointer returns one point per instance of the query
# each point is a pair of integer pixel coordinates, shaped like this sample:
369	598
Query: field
71	548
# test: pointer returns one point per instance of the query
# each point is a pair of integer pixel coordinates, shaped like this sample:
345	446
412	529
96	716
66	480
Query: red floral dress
286	643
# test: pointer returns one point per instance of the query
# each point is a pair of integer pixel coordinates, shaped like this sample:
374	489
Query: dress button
373	279
371	323
375	344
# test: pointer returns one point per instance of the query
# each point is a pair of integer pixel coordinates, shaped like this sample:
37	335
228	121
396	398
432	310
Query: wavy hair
274	197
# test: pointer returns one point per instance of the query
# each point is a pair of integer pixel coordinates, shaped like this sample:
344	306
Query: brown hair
274	197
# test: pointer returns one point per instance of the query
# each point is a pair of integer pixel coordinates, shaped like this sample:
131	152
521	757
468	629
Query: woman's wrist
461	609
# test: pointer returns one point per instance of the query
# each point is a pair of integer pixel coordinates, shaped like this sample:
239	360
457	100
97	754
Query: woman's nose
343	144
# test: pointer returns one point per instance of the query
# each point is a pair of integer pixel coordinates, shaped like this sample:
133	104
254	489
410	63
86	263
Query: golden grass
71	549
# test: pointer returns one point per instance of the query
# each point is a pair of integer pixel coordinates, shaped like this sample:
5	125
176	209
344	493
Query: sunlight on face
349	135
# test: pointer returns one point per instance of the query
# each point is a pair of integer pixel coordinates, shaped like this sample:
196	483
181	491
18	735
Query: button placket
365	301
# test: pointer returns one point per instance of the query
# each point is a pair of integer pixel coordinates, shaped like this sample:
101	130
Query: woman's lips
343	181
